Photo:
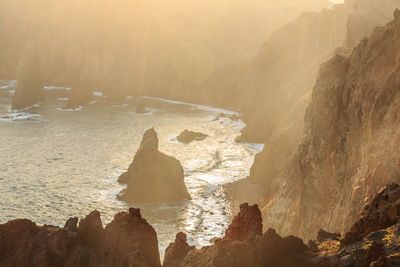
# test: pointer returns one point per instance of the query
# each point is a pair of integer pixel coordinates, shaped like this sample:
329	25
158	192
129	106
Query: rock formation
164	49
130	241
29	89
283	74
351	129
189	136
153	176
141	109
127	241
243	245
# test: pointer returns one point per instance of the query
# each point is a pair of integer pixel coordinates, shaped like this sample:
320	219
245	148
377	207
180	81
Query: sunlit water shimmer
55	164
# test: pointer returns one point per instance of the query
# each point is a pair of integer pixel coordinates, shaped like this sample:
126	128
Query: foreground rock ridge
153	176
128	240
350	146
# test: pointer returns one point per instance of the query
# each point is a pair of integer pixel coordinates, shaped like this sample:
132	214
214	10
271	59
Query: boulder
188	136
153	176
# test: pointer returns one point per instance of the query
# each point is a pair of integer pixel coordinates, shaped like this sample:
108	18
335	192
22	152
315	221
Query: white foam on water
19	116
99	94
70	109
200	107
150	112
257	147
51	88
129	97
63	98
120	106
24	109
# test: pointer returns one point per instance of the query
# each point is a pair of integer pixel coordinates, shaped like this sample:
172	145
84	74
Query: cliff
165	49
352	131
282	76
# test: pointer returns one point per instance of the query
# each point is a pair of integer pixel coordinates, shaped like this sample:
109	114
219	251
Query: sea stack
153	176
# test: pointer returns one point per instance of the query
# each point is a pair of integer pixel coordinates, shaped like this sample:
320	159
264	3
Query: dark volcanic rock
246	225
188	136
350	238
177	251
243	245
382	212
130	241
153	176
324	235
127	241
91	230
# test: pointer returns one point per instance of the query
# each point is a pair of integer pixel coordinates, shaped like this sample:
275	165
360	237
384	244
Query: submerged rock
141	109
153	176
188	136
226	116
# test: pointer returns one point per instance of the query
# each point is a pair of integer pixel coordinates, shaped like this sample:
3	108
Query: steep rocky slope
352	135
284	73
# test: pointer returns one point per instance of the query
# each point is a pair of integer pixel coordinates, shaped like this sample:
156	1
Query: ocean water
57	163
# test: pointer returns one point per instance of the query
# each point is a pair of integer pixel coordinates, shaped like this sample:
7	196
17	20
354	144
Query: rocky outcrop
29	89
130	241
243	245
189	136
127	241
153	176
246	225
352	128
141	109
382	212
177	251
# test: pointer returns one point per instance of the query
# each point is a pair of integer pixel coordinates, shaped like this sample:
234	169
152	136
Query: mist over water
58	163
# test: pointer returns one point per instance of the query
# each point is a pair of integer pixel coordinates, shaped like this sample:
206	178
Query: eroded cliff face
352	135
284	73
